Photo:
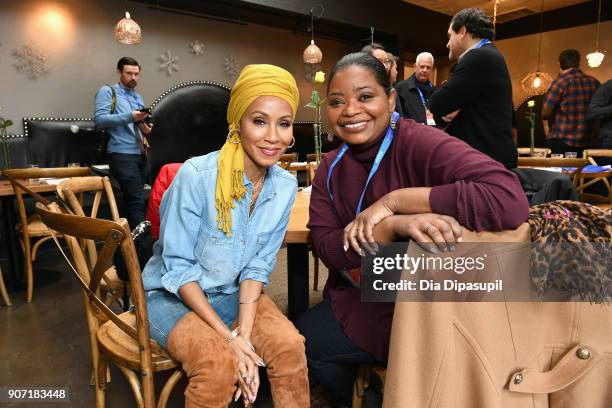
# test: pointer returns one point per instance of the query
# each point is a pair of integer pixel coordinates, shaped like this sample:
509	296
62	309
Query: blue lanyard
483	42
379	156
127	96
421	95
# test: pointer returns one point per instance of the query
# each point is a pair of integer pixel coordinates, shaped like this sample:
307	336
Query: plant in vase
5	123
315	104
531	116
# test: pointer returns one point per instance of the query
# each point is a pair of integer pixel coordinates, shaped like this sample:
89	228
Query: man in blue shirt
119	111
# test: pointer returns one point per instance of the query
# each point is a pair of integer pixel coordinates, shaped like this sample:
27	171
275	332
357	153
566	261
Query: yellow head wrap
253	81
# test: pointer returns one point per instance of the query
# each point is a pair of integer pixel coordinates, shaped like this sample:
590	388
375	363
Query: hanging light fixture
312	53
595	59
127	31
536	83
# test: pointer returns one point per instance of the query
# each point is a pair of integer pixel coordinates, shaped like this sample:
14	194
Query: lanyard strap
483	42
127	96
379	156
422	96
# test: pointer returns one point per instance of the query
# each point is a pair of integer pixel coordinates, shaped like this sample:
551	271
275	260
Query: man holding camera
120	111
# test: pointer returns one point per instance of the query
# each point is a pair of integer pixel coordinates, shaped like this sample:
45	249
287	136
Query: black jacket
408	94
480	86
600	109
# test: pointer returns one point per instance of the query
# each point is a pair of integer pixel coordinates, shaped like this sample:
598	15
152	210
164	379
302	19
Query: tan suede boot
208	361
281	346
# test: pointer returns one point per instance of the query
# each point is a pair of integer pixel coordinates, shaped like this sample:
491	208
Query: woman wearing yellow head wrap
223	220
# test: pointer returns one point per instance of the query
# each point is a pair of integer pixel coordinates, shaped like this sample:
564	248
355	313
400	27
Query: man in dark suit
414	92
477	99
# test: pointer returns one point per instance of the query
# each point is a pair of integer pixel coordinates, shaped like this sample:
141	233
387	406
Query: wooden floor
45	343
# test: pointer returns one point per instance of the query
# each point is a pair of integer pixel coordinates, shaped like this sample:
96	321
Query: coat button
518	378
583	353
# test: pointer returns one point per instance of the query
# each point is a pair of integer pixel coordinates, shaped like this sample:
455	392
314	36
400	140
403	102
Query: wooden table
298	243
15	259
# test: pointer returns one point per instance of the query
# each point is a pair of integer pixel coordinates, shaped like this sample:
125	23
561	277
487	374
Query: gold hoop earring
292	143
232	132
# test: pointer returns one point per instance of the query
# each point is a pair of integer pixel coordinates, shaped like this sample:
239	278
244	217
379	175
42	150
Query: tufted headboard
190	120
55	142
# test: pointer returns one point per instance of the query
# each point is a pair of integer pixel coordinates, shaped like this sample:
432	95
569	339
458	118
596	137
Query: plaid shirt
568	98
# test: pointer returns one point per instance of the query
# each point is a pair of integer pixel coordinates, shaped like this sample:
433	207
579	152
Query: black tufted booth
190	120
304	140
53	142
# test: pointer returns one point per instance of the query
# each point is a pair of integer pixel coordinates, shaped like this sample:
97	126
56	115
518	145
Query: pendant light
127	31
312	53
536	83
595	59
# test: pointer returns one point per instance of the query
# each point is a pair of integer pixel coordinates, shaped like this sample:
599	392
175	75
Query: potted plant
6	159
315	104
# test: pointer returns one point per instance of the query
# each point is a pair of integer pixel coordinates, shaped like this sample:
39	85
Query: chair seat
123	348
36	228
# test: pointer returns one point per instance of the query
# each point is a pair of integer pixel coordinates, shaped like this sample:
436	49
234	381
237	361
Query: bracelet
233	334
249	302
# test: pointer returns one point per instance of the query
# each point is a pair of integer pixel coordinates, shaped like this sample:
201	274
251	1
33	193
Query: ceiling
507	10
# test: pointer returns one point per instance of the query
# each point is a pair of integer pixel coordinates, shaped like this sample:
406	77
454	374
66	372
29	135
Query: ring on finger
427	227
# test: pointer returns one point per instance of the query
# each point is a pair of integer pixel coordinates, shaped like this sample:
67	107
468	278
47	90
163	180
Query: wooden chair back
113	235
74	191
525	151
286	160
590	154
578	163
312	157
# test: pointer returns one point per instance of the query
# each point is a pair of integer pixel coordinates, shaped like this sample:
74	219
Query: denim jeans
129	170
332	357
165	310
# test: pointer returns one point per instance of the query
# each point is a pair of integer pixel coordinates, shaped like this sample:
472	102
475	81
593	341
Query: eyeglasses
387	62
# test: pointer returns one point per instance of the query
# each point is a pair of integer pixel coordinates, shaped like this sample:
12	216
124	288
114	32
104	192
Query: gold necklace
257	186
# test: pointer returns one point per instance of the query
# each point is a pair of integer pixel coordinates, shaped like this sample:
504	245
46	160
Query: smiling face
266	129
358	109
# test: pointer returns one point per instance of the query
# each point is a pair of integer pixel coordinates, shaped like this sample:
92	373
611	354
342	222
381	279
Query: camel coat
500	354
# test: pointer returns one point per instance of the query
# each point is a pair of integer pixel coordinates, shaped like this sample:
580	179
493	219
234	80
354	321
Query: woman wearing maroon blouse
414	179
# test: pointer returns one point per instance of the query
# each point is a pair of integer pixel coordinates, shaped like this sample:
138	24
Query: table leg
297	279
15	266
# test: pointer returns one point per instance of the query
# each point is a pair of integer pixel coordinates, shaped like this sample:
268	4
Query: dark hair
569	59
127	61
369	49
475	21
363	60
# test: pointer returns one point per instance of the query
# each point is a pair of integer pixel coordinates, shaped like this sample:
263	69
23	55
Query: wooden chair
363	381
311	169
121	339
286	160
578	163
5	296
30	229
312	157
526	151
593	178
73	191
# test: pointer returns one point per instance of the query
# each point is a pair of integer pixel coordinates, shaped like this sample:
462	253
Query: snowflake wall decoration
231	68
196	48
168	63
31	60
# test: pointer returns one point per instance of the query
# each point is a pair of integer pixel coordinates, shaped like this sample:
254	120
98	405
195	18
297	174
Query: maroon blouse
466	184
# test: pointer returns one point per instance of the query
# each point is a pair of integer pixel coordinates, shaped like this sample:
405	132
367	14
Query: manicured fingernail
248	381
261	363
460	239
452	248
346	247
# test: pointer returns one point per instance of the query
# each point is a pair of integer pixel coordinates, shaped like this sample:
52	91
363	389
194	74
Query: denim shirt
192	249
124	133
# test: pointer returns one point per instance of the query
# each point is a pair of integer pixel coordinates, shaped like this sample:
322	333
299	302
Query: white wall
82	53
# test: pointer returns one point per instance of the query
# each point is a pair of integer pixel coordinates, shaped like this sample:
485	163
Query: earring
292	143
233	131
392	122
